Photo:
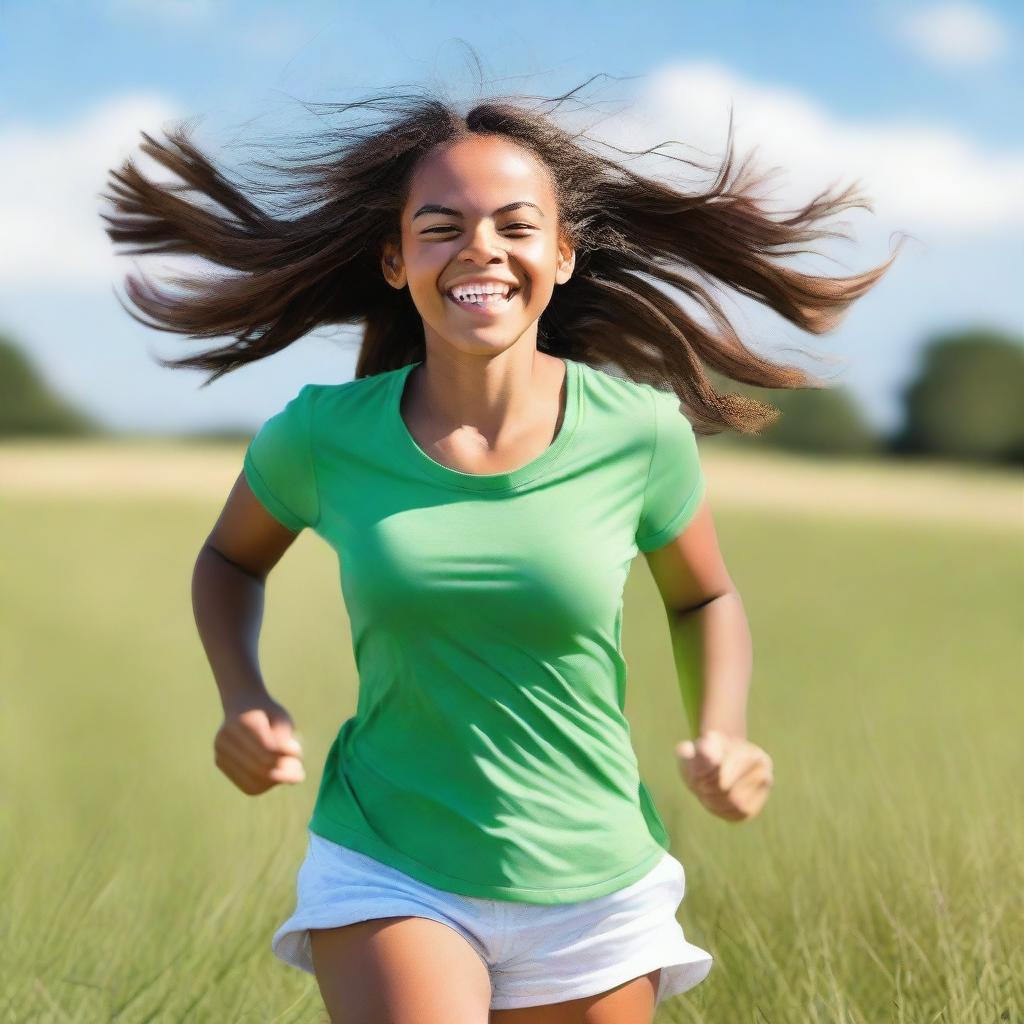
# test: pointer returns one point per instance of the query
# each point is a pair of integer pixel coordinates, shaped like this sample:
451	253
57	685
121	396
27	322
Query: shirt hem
371	846
266	497
678	522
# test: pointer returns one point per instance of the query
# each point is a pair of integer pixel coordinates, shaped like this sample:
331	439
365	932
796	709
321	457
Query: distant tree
967	401
825	421
217	435
27	403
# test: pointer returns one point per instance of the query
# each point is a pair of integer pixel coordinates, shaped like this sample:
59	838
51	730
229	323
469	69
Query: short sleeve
675	479
278	464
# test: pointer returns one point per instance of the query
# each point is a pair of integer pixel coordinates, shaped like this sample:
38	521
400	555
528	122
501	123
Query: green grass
882	883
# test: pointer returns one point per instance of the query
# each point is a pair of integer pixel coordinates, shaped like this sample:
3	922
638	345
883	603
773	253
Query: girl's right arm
254	746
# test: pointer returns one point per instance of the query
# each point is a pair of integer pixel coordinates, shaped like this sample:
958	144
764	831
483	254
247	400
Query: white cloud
955	34
923	178
50	185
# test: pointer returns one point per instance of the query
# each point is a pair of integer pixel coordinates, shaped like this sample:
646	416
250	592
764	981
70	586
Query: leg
400	970
629	1003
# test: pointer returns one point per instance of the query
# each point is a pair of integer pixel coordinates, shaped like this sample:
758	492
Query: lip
484	310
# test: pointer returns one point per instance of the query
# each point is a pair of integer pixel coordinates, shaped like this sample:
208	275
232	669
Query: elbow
704	601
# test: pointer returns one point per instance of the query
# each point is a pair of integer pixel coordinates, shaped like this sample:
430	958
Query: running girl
521	424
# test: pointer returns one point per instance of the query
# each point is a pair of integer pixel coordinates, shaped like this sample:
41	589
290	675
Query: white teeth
488	297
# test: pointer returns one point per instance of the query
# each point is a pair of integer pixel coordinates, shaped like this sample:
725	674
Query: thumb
286	742
282	737
685	749
712	746
259	723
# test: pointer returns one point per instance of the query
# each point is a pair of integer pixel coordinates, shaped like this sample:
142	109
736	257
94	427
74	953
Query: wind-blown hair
316	259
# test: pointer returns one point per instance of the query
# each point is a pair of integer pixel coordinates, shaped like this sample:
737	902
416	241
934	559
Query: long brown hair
315	260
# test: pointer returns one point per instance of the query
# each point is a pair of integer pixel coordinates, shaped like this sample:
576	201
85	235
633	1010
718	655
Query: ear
566	261
391	265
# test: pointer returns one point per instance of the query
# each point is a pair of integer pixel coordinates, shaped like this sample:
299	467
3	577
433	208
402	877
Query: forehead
480	170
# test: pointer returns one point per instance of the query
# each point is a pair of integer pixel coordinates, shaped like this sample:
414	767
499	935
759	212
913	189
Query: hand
730	776
256	749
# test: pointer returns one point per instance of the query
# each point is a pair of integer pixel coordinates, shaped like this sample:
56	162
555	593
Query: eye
452	227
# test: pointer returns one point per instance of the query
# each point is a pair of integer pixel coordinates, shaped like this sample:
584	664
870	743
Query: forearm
228	607
713	654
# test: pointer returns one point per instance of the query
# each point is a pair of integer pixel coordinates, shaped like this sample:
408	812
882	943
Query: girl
481	846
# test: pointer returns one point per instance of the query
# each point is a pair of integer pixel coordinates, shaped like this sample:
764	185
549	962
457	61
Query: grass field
883	882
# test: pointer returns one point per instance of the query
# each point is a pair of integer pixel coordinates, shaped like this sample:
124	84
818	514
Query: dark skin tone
485	400
254	746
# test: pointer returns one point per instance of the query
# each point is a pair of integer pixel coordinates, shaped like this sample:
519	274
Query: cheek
423	279
539	290
541	266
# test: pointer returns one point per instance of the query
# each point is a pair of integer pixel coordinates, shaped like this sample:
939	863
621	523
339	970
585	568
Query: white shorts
535	953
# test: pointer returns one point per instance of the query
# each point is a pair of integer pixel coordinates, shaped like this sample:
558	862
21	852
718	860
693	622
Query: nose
483	243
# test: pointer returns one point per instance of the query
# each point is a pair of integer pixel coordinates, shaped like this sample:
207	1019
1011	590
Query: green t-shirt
489	754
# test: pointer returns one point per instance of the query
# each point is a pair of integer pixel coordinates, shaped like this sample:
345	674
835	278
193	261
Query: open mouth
484	303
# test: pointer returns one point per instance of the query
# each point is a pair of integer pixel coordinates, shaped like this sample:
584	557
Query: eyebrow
434	208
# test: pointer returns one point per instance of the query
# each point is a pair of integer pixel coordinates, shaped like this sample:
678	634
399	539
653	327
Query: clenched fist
256	749
730	776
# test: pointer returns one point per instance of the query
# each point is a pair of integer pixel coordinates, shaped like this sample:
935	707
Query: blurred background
874	530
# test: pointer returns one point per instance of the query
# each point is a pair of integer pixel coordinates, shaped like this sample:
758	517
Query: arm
711	642
712	651
228	587
254	746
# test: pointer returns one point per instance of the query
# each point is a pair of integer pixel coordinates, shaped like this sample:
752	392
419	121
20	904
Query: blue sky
920	102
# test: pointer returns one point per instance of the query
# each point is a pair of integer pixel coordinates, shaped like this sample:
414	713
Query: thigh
404	970
630	1003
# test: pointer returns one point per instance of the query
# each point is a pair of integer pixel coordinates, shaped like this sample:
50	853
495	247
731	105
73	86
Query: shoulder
608	388
642	404
348	398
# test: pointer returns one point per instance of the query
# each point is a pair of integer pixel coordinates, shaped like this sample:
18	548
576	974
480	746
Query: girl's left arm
713	655
712	650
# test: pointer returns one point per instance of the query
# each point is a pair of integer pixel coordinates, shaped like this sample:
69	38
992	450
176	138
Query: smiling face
480	209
